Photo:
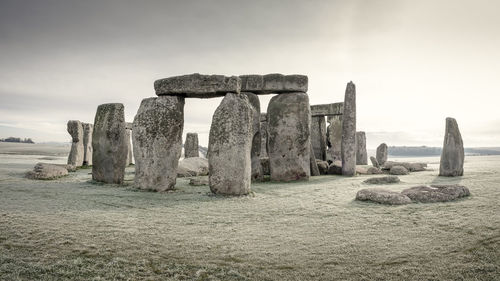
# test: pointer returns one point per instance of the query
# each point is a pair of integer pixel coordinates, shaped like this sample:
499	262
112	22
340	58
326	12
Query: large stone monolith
76	154
191	146
157	140
349	131
361	153
109	144
87	143
263	134
318	137
230	145
256	137
334	138
452	156
382	154
289	123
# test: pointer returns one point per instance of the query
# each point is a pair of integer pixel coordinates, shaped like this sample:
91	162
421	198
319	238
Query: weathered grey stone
289	122
256	136
334	138
109	144
76	154
382	154
361	153
230	145
411	167
327	109
382	180
44	171
382	196
374	162
452	156
322	167
264	163
129	126
436	193
193	166
398	170
157	134
335	168
87	144
191	146
263	134
373	171
198	86
273	83
312	162
318	137
198	181
349	131
128	137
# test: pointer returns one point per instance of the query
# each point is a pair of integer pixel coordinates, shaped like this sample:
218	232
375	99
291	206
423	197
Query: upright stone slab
191	146
382	154
349	132
452	156
289	122
257	174
76	154
263	134
87	143
361	153
109	144
157	140
230	145
334	138
313	164
318	137
198	85
128	139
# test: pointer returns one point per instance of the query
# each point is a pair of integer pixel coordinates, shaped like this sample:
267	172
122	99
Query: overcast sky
413	62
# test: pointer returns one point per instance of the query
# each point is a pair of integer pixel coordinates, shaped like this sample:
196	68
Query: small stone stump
436	193
229	146
452	156
191	146
289	147
382	196
349	131
157	134
109	144
76	154
44	171
382	154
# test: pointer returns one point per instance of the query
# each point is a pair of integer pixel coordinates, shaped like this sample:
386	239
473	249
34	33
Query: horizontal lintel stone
273	83
327	109
198	85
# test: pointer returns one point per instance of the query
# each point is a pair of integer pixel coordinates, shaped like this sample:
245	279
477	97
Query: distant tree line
20	140
436	151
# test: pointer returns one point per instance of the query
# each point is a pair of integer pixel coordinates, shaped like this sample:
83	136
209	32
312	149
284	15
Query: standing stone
289	123
257	174
349	132
361	153
157	140
128	135
263	134
230	145
109	144
313	164
374	162
452	156
318	137
334	138
382	154
191	146
76	154
87	144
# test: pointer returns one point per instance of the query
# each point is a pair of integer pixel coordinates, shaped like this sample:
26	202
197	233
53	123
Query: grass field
74	229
